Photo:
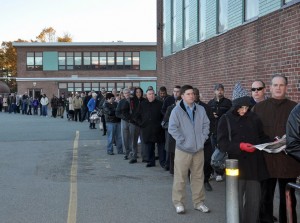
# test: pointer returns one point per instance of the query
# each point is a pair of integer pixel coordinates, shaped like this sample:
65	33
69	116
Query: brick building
53	68
203	42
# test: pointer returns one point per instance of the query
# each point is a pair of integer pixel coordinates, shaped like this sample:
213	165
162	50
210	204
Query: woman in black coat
246	131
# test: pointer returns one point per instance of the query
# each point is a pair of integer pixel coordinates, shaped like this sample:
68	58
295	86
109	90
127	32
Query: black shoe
275	219
167	168
144	161
110	153
150	165
94	128
207	186
120	152
104	133
132	161
125	157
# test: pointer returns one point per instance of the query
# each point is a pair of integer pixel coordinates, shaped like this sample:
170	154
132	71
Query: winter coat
149	118
293	134
219	107
170	143
109	111
77	102
190	137
123	110
274	114
91	104
247	129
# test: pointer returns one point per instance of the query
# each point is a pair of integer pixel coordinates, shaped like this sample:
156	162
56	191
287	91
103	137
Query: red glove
247	147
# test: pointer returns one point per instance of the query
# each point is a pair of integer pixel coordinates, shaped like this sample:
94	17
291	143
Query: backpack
218	157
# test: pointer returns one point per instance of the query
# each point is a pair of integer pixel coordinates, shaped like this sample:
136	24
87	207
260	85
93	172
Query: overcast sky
84	20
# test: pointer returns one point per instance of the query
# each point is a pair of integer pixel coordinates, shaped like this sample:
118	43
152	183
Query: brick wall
257	50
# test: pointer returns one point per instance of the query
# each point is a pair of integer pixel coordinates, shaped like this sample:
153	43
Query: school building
203	42
57	67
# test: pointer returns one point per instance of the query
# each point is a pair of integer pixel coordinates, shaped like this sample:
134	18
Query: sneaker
179	209
202	207
219	178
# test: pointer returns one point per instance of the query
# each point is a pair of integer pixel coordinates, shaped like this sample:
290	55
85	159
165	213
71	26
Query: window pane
223	16
202	18
186	21
30	60
127	58
62	85
251	9
110	86
174	26
38	60
110	59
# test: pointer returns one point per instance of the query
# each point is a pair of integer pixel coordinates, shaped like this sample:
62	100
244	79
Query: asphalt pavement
47	174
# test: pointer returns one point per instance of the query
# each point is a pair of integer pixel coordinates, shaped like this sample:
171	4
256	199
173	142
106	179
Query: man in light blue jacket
189	126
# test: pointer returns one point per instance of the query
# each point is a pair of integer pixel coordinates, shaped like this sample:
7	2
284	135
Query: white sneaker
179	209
202	207
219	178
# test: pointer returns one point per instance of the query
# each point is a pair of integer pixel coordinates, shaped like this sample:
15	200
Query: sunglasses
257	88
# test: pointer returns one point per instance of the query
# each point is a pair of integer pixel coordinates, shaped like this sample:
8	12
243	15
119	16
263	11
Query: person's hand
247	147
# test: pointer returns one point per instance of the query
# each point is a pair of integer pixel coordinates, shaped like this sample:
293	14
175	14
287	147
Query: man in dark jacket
219	106
149	118
208	151
274	113
124	112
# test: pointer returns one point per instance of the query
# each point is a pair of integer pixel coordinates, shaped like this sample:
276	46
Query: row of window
88	60
96	86
251	10
98	60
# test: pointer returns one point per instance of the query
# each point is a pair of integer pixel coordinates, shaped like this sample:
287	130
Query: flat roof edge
56	44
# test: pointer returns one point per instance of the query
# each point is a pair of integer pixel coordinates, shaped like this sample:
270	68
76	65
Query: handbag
218	157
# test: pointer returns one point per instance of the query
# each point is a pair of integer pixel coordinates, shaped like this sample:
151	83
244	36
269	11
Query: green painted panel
147	60
50	61
145	84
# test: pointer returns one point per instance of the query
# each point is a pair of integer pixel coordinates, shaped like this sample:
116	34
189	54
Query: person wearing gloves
245	130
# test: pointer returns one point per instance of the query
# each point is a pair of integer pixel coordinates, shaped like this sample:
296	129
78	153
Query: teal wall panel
235	13
267	6
147	60
50	61
145	84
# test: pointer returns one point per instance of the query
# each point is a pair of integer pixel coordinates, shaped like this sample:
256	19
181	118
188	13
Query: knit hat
240	96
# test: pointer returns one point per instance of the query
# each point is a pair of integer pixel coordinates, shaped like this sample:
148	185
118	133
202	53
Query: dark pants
208	151
77	114
150	153
85	114
267	197
104	123
54	112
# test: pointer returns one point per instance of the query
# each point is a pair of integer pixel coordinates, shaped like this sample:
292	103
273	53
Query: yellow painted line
73	183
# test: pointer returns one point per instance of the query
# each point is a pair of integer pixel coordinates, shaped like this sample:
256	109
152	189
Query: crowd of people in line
184	132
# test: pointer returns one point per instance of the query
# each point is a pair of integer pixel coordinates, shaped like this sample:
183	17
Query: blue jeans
114	132
44	110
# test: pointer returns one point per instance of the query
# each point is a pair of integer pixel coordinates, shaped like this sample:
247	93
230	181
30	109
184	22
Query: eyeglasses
257	88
